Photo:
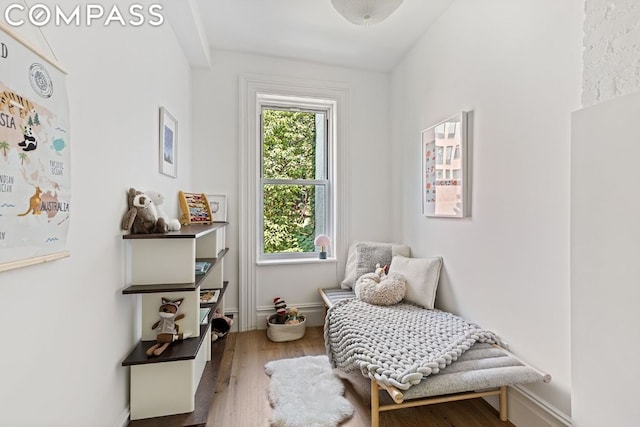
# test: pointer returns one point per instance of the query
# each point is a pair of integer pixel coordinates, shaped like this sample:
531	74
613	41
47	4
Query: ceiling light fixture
366	12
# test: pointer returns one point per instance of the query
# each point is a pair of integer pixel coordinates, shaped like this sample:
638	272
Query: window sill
295	261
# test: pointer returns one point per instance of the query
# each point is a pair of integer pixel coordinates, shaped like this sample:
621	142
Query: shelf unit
162	265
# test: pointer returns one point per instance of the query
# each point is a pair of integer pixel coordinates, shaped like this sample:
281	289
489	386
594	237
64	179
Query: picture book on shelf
202	267
204	313
209	296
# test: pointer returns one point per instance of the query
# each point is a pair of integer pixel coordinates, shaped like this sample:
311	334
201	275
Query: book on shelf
204	315
209	296
202	267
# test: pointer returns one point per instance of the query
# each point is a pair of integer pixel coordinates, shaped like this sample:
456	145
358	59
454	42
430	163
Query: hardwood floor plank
241	392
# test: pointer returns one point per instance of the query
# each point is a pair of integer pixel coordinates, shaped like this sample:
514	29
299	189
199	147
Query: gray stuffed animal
139	219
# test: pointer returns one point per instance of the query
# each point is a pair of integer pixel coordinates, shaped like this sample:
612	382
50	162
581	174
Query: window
294	188
448	155
439	155
262	90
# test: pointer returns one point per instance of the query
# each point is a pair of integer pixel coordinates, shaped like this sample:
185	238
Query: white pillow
363	257
422	275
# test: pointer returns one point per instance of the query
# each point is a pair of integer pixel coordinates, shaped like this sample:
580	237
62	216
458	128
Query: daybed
483	370
358	334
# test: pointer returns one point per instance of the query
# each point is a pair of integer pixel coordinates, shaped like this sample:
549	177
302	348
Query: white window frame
311	105
250	85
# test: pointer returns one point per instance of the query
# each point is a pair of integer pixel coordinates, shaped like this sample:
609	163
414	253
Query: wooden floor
241	397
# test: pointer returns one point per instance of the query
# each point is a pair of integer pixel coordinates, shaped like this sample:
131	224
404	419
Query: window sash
325	112
326	172
325	214
324	182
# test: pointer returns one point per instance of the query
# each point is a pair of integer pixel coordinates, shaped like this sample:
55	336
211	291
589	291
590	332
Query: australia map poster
35	185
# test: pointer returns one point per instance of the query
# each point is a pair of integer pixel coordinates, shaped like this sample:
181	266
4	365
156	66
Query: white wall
66	325
611	49
604	233
604	263
216	162
517	65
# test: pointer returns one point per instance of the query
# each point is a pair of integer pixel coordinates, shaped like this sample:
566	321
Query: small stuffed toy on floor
293	316
158	199
168	330
220	325
218	315
281	310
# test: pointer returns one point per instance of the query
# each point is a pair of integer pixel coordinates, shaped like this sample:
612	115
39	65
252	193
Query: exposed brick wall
611	49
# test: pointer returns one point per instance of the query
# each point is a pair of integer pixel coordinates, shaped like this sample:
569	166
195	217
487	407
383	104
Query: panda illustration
29	143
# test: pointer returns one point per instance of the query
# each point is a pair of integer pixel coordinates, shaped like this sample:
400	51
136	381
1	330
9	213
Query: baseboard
314	312
123	417
545	410
527	409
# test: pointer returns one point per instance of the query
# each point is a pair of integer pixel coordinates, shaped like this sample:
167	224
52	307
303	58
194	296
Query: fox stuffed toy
168	330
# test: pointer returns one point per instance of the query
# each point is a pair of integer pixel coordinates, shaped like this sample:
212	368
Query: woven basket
279	333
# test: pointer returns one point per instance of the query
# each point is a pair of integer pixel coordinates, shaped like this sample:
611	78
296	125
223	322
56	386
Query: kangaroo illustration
34	203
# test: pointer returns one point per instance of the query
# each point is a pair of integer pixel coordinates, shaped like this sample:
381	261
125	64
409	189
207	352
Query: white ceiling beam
184	16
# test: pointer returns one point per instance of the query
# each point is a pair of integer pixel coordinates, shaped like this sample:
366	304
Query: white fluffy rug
304	392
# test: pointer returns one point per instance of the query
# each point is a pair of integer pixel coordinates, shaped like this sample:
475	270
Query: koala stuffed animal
139	219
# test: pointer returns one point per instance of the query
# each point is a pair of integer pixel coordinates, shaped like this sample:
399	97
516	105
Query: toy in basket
286	324
195	209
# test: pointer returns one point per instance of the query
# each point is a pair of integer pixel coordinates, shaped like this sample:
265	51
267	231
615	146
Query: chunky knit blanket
397	345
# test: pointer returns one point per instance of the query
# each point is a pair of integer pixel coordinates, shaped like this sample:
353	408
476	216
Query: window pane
293	145
439	155
293	216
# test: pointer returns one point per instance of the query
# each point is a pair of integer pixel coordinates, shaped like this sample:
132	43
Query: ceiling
309	30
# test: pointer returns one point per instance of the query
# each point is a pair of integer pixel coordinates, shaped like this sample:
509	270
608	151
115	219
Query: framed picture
218	204
445	178
168	144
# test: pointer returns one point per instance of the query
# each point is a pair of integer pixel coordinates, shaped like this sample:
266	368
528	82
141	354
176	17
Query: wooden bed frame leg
375	412
503	404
